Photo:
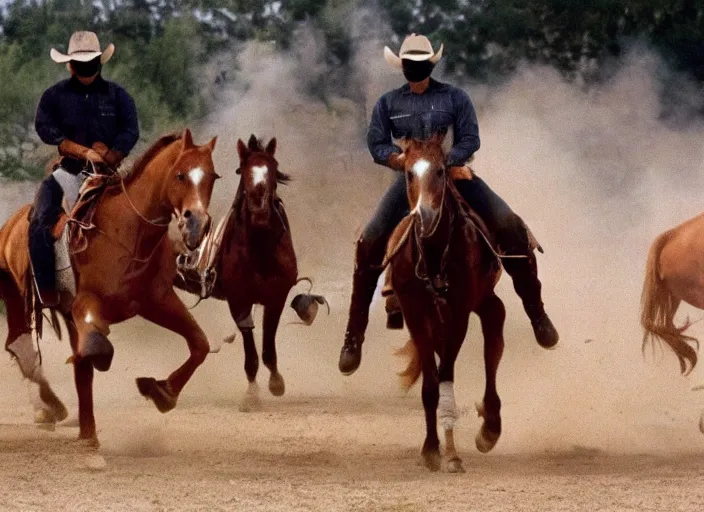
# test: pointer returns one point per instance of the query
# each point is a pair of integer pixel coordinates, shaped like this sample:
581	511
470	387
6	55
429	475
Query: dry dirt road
597	439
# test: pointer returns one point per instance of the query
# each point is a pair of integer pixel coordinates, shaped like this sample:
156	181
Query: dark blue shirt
403	113
100	112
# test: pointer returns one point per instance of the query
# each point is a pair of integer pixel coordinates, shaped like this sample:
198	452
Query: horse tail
410	375
658	308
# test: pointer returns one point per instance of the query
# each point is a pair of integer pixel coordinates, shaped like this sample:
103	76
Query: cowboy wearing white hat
90	120
420	109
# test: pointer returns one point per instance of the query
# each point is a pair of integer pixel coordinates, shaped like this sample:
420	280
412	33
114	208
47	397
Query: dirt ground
593	425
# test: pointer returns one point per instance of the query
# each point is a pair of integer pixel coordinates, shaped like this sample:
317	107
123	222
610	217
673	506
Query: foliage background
175	57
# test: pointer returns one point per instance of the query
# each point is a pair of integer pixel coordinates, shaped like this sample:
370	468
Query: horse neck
146	190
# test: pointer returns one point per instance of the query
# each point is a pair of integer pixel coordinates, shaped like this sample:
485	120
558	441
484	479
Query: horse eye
181	177
439	171
409	174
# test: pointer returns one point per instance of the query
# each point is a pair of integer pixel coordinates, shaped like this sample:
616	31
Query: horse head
189	186
426	179
260	175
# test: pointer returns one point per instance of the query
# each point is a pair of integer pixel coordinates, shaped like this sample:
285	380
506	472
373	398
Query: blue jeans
496	214
508	229
45	213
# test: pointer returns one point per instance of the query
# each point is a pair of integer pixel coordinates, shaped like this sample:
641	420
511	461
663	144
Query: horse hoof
159	391
98	350
454	465
277	386
44	418
432	460
486	439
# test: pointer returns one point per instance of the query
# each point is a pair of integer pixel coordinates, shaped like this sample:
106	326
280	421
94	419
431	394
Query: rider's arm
46	119
379	139
465	128
127	125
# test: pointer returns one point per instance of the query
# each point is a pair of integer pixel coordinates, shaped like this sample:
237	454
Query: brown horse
674	274
125	270
256	263
441	271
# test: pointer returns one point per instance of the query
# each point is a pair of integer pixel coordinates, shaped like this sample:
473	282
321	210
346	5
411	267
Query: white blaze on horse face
196	175
421	167
259	174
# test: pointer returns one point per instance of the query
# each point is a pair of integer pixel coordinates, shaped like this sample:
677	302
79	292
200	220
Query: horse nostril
187	214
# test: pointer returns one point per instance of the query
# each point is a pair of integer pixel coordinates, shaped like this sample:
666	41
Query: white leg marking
447	409
28	358
259	174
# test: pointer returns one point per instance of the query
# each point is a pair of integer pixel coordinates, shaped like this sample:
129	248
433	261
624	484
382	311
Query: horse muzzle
427	217
193	226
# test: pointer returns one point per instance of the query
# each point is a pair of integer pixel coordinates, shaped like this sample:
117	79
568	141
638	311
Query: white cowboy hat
414	47
83	47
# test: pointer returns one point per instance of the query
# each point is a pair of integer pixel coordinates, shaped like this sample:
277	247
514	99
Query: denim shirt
100	112
402	113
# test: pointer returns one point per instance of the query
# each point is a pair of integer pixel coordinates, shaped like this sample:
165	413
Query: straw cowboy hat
83	47
414	47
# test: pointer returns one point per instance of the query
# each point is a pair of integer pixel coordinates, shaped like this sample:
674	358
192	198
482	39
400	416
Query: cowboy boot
524	272
394	315
363	287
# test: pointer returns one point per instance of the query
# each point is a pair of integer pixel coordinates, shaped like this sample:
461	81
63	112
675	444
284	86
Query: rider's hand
75	150
461	172
395	161
93	156
113	158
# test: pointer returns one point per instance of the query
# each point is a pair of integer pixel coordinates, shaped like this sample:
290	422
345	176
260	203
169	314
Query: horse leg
245	324
170	313
83	378
492	315
430	394
272	315
48	408
447	407
92	331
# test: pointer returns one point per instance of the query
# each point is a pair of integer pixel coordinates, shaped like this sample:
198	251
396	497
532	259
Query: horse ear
253	143
271	147
403	144
187	139
211	145
242	150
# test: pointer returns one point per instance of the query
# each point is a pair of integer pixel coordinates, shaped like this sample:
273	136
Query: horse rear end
441	271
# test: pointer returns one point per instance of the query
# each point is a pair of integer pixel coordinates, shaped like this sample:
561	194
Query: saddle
82	195
481	227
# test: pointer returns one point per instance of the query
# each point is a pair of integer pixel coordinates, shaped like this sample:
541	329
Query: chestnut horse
256	263
441	271
125	270
674	274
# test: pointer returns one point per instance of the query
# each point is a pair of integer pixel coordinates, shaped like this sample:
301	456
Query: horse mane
148	155
257	144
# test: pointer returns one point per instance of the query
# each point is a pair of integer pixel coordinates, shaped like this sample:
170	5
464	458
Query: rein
131	251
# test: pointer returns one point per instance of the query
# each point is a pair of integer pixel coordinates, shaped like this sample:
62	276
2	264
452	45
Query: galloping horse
441	271
674	274
126	269
256	263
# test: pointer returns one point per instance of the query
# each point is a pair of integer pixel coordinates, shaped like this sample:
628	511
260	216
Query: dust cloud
596	174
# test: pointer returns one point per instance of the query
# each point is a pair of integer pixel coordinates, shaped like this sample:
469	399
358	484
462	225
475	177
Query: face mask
86	69
417	71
